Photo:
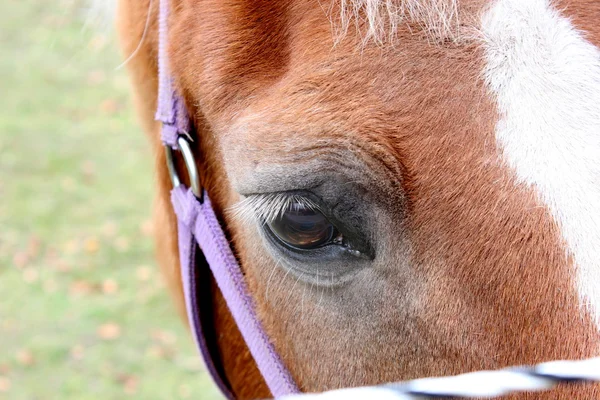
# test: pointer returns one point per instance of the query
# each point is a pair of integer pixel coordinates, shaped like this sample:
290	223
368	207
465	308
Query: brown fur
584	15
470	272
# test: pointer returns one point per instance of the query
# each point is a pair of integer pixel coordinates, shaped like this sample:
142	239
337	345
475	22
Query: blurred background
83	311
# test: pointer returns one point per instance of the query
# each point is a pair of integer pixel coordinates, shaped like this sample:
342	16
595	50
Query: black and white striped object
481	384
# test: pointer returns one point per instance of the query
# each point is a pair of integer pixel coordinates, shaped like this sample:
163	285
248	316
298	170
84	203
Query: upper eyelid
268	207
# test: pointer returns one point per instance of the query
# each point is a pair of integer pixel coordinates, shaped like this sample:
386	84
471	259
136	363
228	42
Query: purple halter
197	224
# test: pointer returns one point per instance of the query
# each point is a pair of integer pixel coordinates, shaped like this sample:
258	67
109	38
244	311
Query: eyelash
268	207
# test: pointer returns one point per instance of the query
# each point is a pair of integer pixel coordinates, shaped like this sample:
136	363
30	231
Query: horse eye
304	228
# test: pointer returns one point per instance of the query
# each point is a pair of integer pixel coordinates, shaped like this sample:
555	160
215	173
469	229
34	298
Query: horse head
411	187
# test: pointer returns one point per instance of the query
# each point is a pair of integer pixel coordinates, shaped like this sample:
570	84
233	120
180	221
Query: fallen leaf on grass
30	275
110	286
110	229
96	77
184	391
20	259
122	244
143	273
62	266
33	246
68	184
77	352
8	325
88	167
165	337
4	384
52	255
25	357
81	288
71	246
154	351
130	383
147	227
88	170
159	352
91	245
109	331
109	106
50	286
23	258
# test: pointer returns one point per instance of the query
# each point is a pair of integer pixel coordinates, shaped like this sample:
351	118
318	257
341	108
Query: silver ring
190	165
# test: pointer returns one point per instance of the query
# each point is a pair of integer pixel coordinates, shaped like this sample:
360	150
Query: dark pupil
302	228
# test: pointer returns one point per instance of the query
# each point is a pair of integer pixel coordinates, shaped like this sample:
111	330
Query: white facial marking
546	78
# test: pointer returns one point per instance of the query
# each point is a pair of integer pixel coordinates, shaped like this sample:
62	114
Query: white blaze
546	79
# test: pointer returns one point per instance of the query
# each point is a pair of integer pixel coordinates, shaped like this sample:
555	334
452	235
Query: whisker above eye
269	206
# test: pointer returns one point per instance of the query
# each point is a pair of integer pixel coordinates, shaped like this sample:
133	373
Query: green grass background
83	311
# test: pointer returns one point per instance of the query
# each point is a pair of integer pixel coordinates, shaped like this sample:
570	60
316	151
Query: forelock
379	19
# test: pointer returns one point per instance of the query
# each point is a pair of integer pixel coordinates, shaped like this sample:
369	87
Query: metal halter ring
190	165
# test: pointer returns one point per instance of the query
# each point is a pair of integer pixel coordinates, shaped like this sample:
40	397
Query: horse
411	187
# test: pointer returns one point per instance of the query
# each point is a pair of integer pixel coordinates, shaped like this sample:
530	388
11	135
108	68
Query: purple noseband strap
197	224
198	221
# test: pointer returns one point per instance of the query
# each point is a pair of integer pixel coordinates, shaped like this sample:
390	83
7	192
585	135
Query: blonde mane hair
438	18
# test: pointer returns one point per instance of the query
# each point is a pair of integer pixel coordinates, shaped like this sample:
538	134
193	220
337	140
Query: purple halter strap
197	224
